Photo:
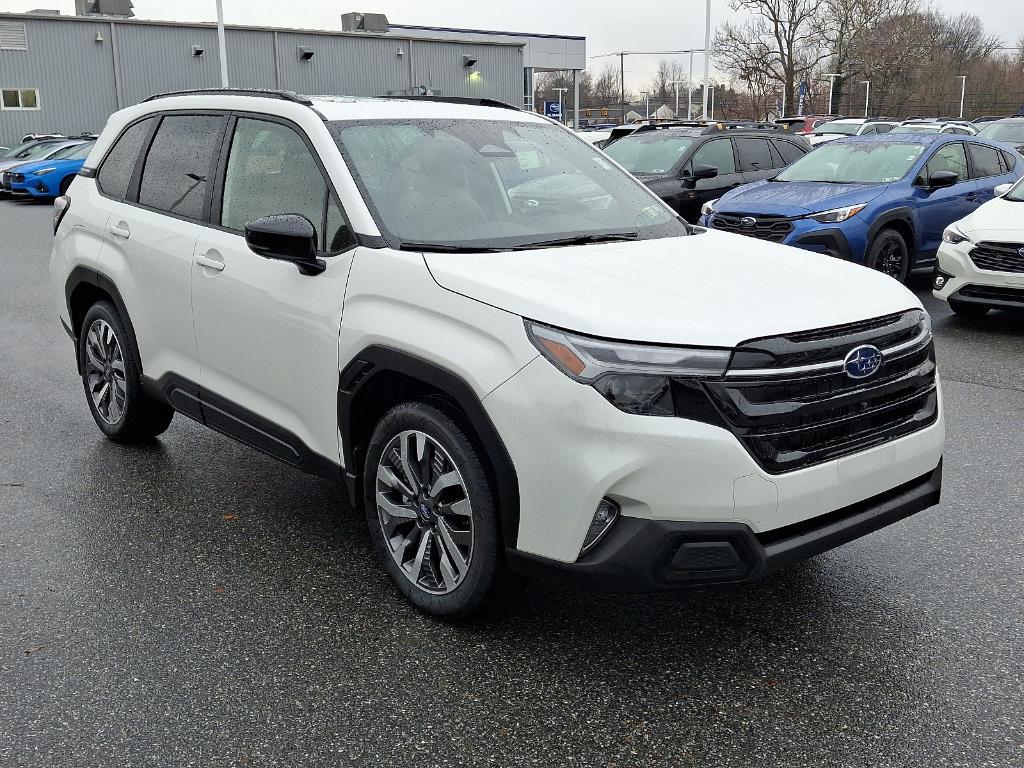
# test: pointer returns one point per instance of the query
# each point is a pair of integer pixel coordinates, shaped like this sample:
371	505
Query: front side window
116	172
855	163
716	153
479	184
654	153
19	98
270	171
178	164
950	157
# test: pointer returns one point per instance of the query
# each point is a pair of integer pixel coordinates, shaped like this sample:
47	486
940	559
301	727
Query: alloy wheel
425	512
104	371
890	260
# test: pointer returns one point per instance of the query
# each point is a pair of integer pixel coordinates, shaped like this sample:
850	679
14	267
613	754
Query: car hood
712	289
795	198
999	219
37	165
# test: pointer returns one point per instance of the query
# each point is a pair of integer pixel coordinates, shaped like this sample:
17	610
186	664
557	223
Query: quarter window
950	157
178	164
271	171
716	153
19	98
754	155
985	161
116	172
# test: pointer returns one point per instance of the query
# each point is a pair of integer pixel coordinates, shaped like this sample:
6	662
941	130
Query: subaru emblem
862	361
1020	251
748	222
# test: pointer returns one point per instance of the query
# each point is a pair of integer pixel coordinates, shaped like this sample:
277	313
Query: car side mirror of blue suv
941	180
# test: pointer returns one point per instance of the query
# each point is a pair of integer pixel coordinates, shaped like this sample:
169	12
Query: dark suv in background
688	164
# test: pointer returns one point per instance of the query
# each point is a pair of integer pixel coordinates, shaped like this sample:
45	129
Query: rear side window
177	168
790	151
985	161
754	155
116	172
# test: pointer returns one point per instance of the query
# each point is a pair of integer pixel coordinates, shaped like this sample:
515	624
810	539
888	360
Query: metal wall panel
74	75
439	65
342	64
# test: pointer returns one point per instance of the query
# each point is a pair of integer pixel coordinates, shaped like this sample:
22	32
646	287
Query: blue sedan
47	178
880	200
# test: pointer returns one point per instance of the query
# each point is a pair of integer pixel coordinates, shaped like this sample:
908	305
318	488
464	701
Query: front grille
997	295
998	257
772	228
792	405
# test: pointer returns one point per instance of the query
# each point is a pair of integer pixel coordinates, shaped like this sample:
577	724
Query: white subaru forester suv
512	353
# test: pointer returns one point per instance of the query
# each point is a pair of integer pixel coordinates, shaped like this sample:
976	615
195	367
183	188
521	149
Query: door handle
210	260
120	230
972	197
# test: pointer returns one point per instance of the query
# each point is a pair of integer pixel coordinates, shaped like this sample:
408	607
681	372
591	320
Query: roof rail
265	93
468	100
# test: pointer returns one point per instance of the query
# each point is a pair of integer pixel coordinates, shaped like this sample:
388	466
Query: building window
19	98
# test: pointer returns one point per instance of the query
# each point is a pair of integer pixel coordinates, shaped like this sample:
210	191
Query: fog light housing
939	280
605	515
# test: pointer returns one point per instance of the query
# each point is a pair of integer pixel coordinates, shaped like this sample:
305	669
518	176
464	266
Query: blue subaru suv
880	200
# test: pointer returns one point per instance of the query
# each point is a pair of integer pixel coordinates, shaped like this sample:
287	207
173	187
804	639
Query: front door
267	335
938	208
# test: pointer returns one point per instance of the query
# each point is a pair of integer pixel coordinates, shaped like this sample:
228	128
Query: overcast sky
608	25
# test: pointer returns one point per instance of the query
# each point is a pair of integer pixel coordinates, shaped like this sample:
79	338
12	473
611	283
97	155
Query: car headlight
43	171
953	235
837	215
708	208
635	378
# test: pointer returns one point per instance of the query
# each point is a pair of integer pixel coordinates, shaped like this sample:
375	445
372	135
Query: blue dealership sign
553	110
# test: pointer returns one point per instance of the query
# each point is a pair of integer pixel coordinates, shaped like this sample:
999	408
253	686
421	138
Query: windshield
847	129
15	151
650	153
66	153
860	162
916	129
77	152
1016	193
1008	132
32	151
481	184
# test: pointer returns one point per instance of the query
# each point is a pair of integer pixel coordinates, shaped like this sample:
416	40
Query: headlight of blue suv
708	208
43	172
837	215
953	235
635	378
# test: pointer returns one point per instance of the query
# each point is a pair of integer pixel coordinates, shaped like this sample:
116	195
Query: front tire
431	511
889	254
111	377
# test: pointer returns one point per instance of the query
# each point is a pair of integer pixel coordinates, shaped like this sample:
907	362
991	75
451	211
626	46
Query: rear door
988	169
267	335
939	208
151	234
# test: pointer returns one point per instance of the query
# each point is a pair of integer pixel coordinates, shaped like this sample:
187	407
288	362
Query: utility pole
831	82
707	54
689	90
220	45
676	84
647	103
867	95
622	86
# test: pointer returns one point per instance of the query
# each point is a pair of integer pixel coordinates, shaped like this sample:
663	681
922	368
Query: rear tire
968	311
889	254
111	377
431	511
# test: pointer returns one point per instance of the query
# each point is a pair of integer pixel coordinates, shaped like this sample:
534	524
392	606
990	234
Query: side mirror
705	172
286	237
1002	189
942	179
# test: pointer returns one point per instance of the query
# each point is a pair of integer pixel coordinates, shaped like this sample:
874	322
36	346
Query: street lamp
221	50
963	90
711	110
867	94
676	84
647	103
707	54
561	119
831	83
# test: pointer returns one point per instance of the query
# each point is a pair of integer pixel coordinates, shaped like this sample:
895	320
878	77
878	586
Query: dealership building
67	74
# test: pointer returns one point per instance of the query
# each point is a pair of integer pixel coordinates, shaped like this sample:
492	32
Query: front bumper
847	241
658	555
964	282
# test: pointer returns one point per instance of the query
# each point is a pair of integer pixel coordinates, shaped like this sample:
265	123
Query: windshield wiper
578	240
413	245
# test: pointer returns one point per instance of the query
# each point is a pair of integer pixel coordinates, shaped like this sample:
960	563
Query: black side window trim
217	192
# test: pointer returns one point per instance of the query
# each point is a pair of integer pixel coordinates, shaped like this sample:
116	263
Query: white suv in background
513	354
980	264
850	126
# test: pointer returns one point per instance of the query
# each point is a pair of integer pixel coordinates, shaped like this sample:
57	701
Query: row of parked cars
43	166
918	196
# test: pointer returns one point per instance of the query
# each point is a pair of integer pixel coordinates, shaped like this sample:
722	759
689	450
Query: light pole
707	54
831	83
220	45
711	110
561	118
676	84
647	103
963	90
867	94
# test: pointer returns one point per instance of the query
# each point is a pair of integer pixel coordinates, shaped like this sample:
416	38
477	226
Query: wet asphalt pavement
193	603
